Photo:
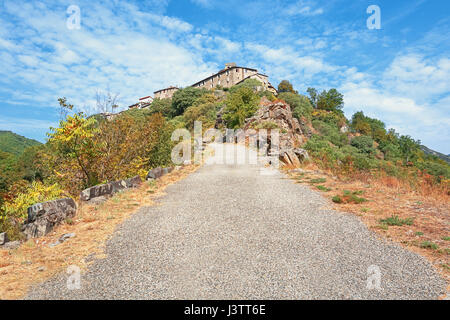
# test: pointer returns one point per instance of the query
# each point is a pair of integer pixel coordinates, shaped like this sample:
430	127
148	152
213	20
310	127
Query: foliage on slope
14	143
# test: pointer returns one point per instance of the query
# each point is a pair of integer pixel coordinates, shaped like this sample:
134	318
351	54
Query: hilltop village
229	76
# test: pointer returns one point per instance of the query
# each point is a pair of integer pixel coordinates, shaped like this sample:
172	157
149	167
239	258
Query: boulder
3	238
133	182
302	154
11	245
43	217
155	173
158	173
108	189
96	191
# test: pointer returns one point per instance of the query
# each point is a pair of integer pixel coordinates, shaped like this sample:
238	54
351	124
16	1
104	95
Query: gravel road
229	232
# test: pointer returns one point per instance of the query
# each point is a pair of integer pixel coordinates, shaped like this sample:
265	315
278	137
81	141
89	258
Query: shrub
184	98
364	144
240	105
300	105
204	110
333	118
14	212
337	199
429	245
330	132
163	106
396	221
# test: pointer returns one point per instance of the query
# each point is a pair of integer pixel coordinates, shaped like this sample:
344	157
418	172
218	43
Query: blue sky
399	73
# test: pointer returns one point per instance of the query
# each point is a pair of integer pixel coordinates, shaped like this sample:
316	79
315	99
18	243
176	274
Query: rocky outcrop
291	136
108	189
43	217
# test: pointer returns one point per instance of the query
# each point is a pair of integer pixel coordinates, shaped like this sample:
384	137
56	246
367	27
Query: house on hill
165	93
232	75
229	76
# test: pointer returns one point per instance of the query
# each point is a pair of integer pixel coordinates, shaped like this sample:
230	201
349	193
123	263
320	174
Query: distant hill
442	156
14	143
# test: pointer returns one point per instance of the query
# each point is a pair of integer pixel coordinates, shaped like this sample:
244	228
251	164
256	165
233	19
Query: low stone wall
43	217
109	189
158	172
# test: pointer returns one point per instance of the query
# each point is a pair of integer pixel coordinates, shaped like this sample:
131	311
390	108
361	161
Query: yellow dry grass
35	261
431	213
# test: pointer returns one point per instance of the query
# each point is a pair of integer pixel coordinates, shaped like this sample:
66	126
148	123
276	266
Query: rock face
43	217
109	189
291	135
280	113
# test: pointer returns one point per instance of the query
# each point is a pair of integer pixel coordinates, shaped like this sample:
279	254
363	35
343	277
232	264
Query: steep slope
14	143
441	156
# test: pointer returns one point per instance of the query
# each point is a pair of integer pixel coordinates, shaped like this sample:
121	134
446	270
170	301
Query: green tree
164	106
330	100
240	105
286	86
74	149
184	98
409	148
313	96
364	144
300	105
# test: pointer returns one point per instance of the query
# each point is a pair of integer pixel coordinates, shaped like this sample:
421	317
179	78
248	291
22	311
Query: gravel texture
229	232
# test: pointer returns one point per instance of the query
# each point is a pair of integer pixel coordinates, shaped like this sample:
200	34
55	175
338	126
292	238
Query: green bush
300	105
330	132
364	144
184	98
239	105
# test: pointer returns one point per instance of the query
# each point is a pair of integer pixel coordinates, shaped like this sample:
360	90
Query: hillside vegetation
14	143
85	151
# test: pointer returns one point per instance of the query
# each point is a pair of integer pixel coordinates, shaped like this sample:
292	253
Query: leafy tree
74	150
364	144
330	100
300	105
286	86
313	96
162	105
409	148
252	84
240	105
368	126
204	110
184	98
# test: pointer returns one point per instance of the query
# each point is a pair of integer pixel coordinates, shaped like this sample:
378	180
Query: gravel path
228	232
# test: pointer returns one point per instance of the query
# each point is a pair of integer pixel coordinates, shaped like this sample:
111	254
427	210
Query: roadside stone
66	236
12	245
41	269
3	238
158	172
154	173
108	189
43	217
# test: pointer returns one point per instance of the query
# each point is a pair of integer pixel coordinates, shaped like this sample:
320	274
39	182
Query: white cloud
302	8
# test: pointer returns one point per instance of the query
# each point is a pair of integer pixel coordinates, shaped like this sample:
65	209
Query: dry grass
93	226
386	197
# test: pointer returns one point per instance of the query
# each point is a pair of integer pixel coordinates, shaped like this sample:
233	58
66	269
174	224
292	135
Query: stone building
229	76
232	75
165	93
